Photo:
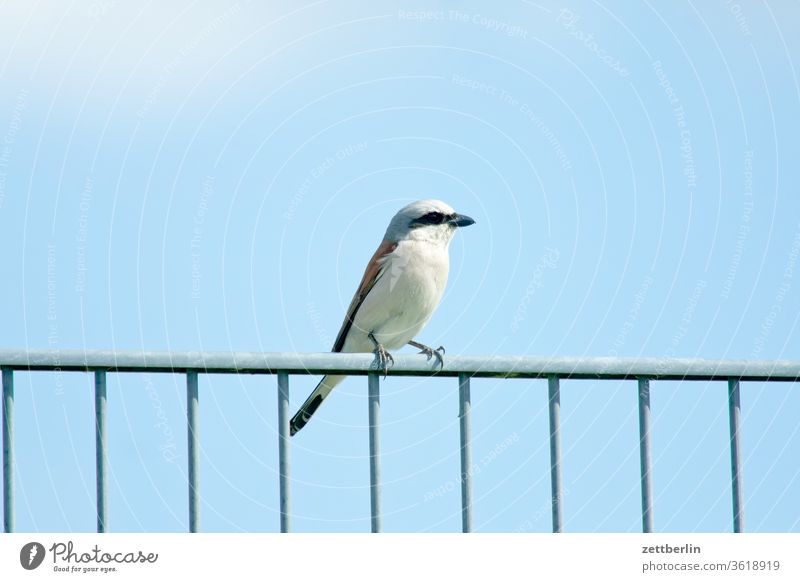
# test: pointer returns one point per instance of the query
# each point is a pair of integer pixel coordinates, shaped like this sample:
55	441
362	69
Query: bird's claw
383	359
438	353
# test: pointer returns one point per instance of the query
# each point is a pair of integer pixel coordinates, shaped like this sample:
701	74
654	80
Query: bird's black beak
461	220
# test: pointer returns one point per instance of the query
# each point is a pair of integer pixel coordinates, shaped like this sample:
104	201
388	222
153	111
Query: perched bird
401	287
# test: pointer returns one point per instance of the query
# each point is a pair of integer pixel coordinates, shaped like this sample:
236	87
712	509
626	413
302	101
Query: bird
401	288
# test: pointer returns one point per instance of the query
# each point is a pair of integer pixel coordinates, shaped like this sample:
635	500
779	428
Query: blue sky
215	176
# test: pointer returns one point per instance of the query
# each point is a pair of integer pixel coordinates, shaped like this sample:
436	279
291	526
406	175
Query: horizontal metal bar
408	365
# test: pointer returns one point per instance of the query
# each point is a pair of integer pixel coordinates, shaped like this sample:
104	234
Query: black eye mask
430	218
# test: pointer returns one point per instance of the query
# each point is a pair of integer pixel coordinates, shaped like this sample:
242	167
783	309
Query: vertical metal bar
283	449
101	457
193	450
375	451
8	450
464	408
554	394
644	454
734	413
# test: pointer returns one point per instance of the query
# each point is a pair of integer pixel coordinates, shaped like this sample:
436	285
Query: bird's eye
435	217
432	218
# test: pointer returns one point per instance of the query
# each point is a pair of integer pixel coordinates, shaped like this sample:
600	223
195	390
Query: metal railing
192	364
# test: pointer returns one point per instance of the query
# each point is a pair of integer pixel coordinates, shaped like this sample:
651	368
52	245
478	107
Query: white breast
403	299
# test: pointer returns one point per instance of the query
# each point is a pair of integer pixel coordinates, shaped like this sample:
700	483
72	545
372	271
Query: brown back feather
371	275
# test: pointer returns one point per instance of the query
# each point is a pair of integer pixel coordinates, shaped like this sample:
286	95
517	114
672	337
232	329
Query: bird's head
426	220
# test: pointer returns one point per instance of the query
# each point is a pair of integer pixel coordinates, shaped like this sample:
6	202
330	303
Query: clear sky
215	176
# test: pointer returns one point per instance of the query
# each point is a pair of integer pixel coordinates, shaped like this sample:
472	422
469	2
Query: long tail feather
311	404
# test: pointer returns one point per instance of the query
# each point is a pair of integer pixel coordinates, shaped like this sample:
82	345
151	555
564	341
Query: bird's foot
438	353
383	359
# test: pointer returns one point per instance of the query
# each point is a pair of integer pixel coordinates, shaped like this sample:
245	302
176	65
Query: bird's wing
375	270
